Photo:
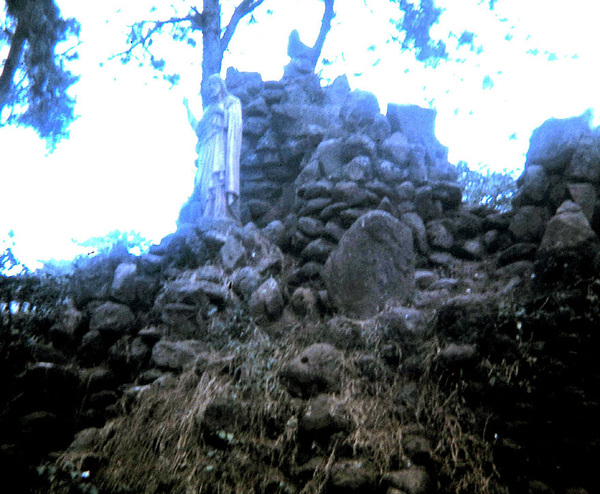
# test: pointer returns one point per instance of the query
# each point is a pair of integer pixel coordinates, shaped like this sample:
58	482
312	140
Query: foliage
416	24
9	264
215	37
63	479
34	82
132	241
482	187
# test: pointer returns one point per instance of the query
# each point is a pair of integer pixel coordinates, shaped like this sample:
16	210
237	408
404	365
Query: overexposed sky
129	162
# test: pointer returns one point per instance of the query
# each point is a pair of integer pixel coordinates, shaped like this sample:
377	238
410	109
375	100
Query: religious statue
219	132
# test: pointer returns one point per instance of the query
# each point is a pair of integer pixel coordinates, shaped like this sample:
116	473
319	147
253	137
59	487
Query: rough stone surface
267	300
554	142
176	355
373	262
316	370
112	318
569	244
529	223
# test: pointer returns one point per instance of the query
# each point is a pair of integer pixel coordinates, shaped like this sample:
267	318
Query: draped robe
219	145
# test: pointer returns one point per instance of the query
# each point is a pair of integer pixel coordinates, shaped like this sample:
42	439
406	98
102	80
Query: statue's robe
219	147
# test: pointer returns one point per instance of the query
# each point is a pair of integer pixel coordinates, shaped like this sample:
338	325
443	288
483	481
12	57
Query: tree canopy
34	80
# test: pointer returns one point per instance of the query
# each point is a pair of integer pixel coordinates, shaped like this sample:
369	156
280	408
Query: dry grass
161	445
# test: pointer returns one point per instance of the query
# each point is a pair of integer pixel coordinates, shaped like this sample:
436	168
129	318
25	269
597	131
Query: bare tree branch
135	40
328	16
241	10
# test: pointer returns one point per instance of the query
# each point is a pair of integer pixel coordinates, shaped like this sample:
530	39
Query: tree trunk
212	54
328	16
12	62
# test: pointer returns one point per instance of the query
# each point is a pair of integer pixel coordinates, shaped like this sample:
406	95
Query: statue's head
216	87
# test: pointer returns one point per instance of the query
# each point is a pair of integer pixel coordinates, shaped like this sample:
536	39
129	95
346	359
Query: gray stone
380	129
390	173
381	189
267	301
419	231
425	205
438	236
553	143
318	250
276	233
112	318
348	216
529	223
470	249
123	286
353	194
585	164
569	244
359	169
311	226
417	123
386	205
150	335
316	370
333	210
406	191
359	145
533	185
315	189
314	206
323	415
258	208
405	325
338	91
351	476
413	480
209	273
333	231
448	193
92	280
245	281
424	278
330	155
359	109
454	354
176	355
310	173
517	252
397	149
232	253
255	126
305	302
261	253
374	262
586	196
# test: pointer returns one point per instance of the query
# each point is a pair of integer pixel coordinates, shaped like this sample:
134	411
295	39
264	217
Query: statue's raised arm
217	183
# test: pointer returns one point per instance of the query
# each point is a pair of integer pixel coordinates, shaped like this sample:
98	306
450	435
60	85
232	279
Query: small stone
311	226
267	300
318	250
232	253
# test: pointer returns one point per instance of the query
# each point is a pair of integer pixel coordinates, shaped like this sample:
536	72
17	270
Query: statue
219	132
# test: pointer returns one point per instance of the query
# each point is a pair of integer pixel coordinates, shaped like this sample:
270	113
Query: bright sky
129	162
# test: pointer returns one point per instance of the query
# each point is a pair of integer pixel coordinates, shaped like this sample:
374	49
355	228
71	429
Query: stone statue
219	132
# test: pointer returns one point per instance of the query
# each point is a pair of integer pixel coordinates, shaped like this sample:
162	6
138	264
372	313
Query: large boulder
417	123
359	109
568	246
585	164
553	143
373	263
